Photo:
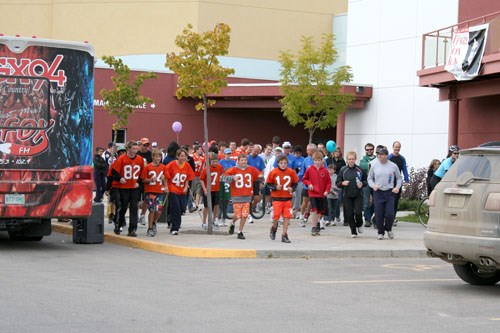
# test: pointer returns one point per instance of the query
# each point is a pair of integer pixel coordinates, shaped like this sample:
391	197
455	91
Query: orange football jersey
178	176
155	172
215	173
242	185
287	178
130	169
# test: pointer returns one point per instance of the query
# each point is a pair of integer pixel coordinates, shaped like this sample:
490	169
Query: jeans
129	199
384	210
337	206
176	206
332	203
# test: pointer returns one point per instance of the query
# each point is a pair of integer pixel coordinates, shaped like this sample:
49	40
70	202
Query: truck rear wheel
471	274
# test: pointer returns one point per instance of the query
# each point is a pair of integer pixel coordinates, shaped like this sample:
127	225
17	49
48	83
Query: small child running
282	181
154	191
216	171
242	178
318	182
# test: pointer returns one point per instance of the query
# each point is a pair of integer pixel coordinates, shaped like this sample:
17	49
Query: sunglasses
455	153
368	149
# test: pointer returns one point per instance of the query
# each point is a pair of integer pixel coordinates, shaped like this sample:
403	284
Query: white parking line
382	281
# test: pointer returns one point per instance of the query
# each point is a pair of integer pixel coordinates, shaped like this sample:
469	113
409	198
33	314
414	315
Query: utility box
91	229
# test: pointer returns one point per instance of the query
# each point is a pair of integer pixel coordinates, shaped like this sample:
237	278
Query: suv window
480	166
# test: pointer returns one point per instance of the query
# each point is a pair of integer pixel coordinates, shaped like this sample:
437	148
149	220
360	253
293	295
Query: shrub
408	205
416	188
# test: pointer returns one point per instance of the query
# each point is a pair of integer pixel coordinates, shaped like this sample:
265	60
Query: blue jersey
443	168
227	164
292	163
257	162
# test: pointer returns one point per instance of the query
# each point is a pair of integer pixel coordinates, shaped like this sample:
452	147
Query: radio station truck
46	117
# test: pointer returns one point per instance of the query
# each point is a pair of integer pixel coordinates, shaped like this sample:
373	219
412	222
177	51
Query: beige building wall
260	28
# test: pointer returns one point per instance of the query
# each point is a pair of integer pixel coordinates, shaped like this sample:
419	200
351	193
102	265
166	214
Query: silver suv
464	219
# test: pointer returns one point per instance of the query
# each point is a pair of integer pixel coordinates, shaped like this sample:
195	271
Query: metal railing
436	45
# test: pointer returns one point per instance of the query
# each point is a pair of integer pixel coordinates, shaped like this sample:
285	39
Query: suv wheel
470	274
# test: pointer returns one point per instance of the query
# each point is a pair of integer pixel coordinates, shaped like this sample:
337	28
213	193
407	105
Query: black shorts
318	205
215	199
256	188
305	192
265	190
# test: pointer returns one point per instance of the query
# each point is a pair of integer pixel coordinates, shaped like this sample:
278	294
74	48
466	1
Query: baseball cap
278	149
144	141
227	151
154	144
383	151
287	144
121	148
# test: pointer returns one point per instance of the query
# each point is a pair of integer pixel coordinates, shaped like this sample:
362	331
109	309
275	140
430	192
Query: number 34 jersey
177	176
242	184
129	169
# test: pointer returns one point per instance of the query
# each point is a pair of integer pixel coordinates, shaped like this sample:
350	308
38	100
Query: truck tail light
493	202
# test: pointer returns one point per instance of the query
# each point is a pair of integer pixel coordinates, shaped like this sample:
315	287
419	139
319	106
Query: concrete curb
408	253
163	248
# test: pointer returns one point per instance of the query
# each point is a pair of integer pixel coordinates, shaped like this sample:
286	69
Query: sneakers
240	235
333	224
361	229
231	229
328	223
380	237
222	223
284	239
117	231
175	233
132	234
338	219
315	231
272	233
322	224
249	219
390	234
150	233
111	218
354	236
193	209
303	223
204	226
346	224
155	230
142	219
368	224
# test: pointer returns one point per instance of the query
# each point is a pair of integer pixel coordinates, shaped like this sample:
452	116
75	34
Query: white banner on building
467	48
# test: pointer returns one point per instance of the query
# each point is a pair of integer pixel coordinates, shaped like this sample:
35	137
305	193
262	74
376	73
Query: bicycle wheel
257	211
423	212
227	208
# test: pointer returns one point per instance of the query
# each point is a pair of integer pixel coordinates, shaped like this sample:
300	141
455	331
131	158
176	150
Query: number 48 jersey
129	169
177	176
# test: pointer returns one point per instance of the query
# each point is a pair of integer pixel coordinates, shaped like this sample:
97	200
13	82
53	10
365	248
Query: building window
121	136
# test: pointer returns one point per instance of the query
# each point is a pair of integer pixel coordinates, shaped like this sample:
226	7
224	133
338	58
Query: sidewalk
334	242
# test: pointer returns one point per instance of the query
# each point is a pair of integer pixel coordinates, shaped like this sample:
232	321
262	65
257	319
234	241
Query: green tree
121	100
311	86
200	74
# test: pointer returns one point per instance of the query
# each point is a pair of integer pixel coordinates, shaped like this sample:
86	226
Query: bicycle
423	211
257	211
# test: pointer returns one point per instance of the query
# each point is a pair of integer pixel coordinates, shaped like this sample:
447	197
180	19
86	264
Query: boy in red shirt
177	174
127	171
216	171
318	182
282	181
154	191
242	178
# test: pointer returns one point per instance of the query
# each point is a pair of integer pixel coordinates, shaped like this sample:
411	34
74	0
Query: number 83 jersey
242	184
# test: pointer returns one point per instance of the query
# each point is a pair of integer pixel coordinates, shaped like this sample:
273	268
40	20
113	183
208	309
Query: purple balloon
177	126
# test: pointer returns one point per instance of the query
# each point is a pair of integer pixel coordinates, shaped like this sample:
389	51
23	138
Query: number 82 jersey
129	169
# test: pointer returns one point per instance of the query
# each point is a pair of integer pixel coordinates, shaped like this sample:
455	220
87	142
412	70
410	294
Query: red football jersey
199	162
155	172
114	183
215	173
287	178
130	169
177	176
242	185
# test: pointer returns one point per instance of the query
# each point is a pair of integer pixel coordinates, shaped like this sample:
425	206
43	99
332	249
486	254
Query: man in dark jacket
100	171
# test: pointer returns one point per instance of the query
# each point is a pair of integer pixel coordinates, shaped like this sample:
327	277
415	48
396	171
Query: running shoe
284	239
240	235
142	219
390	234
231	229
272	234
150	233
132	234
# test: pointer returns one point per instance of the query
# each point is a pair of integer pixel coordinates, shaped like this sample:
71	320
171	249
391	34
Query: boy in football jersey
112	189
127	171
242	178
154	195
282	181
216	171
177	175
